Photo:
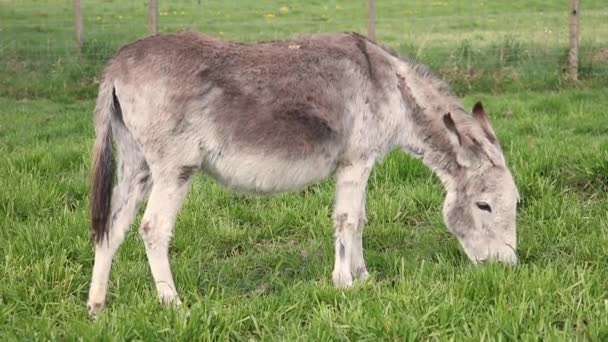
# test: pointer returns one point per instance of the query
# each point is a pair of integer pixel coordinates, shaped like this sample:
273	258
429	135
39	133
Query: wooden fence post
79	25
371	19
153	17
573	52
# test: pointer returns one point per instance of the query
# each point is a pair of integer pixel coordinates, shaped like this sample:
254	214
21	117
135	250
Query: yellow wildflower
284	9
270	15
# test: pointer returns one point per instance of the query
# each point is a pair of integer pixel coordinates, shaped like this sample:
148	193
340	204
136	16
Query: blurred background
487	46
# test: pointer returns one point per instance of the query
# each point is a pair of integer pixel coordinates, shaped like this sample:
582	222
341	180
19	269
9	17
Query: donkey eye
484	206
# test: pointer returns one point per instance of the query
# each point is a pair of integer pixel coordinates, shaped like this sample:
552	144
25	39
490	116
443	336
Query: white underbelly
257	172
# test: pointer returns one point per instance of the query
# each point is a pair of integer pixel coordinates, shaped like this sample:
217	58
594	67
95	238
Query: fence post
573	52
79	25
371	19
153	17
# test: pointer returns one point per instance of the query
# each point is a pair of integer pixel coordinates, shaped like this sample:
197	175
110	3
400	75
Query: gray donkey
277	116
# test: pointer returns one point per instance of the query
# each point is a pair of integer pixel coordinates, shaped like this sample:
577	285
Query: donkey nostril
481	261
515	258
513	249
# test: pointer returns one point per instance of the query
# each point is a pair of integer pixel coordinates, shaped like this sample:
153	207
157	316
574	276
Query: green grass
259	268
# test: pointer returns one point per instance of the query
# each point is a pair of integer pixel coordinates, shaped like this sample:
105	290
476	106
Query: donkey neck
426	102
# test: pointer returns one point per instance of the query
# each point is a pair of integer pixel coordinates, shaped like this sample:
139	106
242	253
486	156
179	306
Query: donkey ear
464	157
451	126
482	118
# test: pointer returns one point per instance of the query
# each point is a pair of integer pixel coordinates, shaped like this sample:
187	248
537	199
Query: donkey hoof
94	308
176	302
172	301
360	273
342	280
363	276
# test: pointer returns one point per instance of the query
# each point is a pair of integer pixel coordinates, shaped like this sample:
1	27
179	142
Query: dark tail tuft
102	175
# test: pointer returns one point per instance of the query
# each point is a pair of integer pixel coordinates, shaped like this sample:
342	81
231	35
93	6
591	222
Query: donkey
277	116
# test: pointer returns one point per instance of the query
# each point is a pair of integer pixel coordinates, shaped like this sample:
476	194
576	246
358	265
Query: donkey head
480	206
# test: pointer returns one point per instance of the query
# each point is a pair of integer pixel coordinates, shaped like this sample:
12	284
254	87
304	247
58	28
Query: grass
259	268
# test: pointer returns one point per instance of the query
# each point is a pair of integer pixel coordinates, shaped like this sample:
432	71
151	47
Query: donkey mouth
507	256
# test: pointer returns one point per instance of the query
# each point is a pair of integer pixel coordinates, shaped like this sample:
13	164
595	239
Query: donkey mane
421	69
444	155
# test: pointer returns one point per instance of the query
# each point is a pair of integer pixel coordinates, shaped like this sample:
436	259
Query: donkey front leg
349	219
156	230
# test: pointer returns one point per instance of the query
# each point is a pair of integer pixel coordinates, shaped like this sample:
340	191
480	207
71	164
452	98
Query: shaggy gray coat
278	116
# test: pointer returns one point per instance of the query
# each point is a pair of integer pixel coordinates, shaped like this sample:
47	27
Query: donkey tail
102	173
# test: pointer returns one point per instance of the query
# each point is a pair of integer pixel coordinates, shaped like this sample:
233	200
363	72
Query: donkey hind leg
349	219
166	198
131	189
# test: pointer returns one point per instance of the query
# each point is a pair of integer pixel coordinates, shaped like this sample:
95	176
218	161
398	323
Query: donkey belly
263	173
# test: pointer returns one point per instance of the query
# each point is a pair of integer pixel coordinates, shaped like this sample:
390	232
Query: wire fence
477	45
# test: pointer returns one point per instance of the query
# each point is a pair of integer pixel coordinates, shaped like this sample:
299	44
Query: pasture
259	268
